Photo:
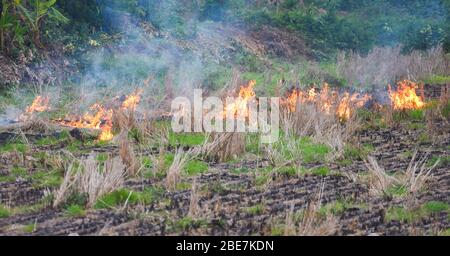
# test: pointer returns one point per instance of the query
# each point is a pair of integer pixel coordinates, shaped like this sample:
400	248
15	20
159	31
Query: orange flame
405	97
240	105
39	104
132	100
100	117
291	100
326	101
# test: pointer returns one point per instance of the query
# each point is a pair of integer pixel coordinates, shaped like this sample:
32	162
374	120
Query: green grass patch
442	161
47	178
313	152
437	79
262	179
30	228
410	216
396	190
119	197
277	230
8	178
54	140
13	147
338	207
320	171
183	186
4	212
19	172
445	232
75	211
409	115
187	223
255	210
289	171
446	111
252	143
240	170
436	206
195	167
186	139
416	126
303	148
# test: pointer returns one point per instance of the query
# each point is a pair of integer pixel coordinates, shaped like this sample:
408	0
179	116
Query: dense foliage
326	25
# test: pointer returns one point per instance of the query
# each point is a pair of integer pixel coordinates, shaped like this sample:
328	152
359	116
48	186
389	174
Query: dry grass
379	181
387	65
124	119
128	156
64	189
194	208
417	174
414	179
444	101
310	120
224	146
180	159
91	178
312	223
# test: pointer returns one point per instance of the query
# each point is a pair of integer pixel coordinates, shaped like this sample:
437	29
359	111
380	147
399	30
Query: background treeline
327	25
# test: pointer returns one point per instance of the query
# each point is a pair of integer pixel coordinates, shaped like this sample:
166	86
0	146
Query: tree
37	11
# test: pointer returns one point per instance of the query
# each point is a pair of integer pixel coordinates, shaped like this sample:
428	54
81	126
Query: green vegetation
195	167
312	152
255	210
320	171
338	207
186	139
11	147
445	232
183	186
436	206
30	228
186	223
410	216
446	111
4	212
396	190
302	148
122	196
437	79
443	161
75	211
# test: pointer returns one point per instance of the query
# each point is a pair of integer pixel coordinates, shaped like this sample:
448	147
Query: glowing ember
240	106
39	104
405	97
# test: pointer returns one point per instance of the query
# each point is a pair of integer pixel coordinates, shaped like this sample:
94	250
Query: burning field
345	163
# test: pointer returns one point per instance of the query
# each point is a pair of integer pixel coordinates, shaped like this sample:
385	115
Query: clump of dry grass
385	65
194	208
312	223
311	120
224	146
91	178
128	156
417	174
124	119
444	100
379	181
180	160
414	179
